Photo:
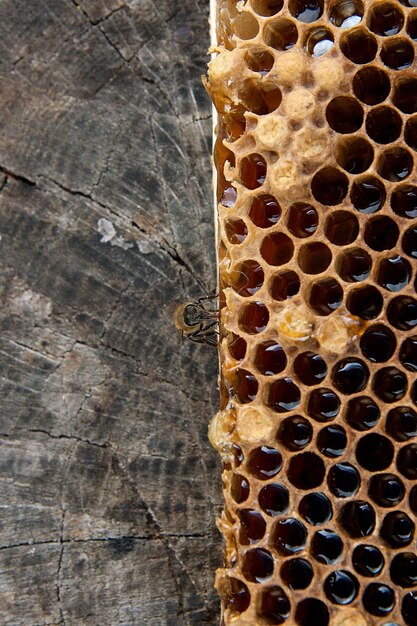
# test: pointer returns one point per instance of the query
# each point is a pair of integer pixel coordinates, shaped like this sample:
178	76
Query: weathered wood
109	489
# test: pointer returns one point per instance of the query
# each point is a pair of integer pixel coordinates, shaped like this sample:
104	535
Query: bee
198	321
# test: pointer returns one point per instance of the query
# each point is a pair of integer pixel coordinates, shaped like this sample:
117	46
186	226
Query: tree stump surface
109	487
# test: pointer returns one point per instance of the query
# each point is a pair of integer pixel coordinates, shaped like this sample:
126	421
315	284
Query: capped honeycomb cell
315	152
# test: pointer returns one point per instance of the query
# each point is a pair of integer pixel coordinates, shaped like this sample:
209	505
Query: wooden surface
109	488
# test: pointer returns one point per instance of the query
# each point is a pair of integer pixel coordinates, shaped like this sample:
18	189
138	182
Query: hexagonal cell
259	60
350	375
284	285
236	595
236	231
252	171
402	312
358	518
332	441
368	194
401	423
368	560
270	358
383	124
409	242
281	34
326	546
283	395
381	233
245	385
397	53
386	490
378	343
311	612
316	508
306	470
343	480
374	452
344	114
289	536
371	85
274	606
245	25
302	219
365	302
394	273
404	201
379	599
265	211
354	154
297	573
306	10
325	296
274	499
318	41
264	462
359	46
323	405
247	278
257	565
252	526
346	14
354	265
254	318
239	488
329	186
277	249
310	368
390	384
395	164
362	413
385	19
295	432
405	95
266	8
237	347
341	228
408	354
410	132
397	529
314	258
341	587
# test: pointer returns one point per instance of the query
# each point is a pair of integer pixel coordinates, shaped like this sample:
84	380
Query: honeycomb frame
316	193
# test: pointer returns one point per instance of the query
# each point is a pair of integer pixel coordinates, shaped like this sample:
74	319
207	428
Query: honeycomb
317	221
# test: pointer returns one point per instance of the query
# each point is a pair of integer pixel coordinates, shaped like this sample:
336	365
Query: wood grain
109	489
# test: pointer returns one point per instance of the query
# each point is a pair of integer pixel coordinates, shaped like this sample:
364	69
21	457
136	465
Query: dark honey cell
368	194
365	302
265	211
270	358
408	354
329	186
362	413
289	536
374	452
284	285
379	599
394	273
257	565
277	249
297	573
281	34
310	368
398	54
350	375
306	470
383	124
302	219
264	462
413	499
410	132
395	164
386	490
254	318
407	461
245	386
401	423
405	95
236	231
403	570
397	529
247	278
402	312
341	587
283	395
239	488
274	606
409	242
385	19
267	8
343	480
347	13
314	258
295	433
252	526
344	114
252	171
274	499
259	60
318	41
312	612
358	518
332	441
325	296
371	85
236	596
368	560
381	233
378	343
326	546
323	405
341	228
390	384
354	265
354	154
316	508
359	46
237	347
409	608
404	201
306	10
